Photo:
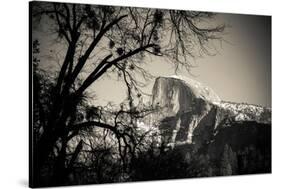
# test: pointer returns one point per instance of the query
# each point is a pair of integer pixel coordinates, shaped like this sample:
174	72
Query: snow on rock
190	112
198	89
179	94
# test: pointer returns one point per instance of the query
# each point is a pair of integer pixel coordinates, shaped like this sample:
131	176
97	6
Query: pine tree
225	168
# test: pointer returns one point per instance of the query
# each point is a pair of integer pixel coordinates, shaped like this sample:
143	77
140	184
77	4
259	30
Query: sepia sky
239	72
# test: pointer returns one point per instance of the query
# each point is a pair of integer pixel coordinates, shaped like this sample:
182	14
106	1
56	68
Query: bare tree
111	40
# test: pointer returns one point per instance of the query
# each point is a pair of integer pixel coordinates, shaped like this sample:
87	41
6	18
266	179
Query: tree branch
97	75
84	58
74	16
83	125
61	29
75	155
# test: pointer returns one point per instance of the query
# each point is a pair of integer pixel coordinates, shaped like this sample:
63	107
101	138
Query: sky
239	72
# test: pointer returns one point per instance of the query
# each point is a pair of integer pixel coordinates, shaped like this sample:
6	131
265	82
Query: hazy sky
240	72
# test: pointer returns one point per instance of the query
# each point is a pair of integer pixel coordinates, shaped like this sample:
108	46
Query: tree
113	40
228	161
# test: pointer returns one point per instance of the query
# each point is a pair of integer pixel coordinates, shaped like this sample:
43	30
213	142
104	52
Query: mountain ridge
191	102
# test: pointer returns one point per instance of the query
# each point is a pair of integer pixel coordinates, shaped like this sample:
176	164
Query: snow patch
200	90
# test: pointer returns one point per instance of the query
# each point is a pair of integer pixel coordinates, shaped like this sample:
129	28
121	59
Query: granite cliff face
185	104
194	119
